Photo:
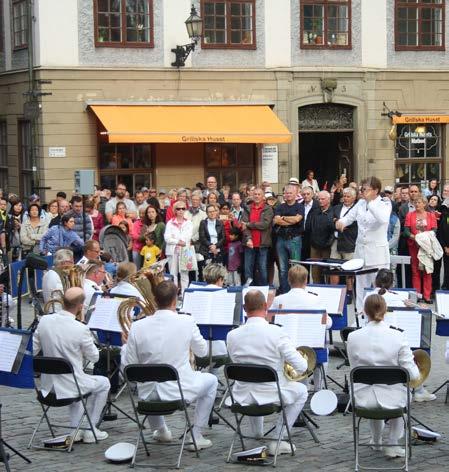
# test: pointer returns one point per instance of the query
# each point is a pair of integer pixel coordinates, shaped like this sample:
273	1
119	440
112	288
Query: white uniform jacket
89	287
379	345
60	335
258	342
126	289
299	299
50	281
372	238
166	338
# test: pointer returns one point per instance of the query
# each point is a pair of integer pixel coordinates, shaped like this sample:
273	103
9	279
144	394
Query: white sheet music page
329	297
222	309
198	304
262	288
9	348
409	322
104	315
304	329
442	304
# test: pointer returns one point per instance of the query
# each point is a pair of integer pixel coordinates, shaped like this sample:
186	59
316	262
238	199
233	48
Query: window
130	164
231	164
20	24
418	153
229	24
326	24
25	159
419	25
124	23
3	155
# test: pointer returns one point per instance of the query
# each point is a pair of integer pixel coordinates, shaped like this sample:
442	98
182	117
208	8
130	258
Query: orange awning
191	124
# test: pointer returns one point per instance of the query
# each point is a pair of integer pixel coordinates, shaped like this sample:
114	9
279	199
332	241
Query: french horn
424	363
310	356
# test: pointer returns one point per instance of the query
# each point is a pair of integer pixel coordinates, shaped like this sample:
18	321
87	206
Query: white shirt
299	299
166	338
313	184
127	289
379	345
60	335
50	282
307	208
258	342
89	287
111	205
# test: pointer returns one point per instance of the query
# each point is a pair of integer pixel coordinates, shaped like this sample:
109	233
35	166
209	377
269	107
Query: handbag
187	258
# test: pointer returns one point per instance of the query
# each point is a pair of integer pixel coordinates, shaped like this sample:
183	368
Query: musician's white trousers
204	402
292	410
396	430
364	281
95	402
173	267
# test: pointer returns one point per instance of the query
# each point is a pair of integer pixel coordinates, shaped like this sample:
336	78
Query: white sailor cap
425	434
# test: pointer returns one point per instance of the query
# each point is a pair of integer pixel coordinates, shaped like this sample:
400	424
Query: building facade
361	86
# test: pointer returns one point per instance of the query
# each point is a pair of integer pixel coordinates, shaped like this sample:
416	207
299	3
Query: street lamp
194	25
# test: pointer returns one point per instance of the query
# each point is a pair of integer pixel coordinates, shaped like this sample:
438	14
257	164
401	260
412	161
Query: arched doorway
326	141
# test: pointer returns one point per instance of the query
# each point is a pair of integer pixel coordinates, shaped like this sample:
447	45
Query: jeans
287	249
257	256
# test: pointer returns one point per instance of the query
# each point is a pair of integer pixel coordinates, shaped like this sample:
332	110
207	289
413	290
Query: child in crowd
150	251
124	226
235	251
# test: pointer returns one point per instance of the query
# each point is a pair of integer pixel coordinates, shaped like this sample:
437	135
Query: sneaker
394	451
89	438
284	448
424	396
163	436
201	443
375	447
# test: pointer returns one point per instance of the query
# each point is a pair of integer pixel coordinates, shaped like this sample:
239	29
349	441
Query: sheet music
304	329
262	288
210	306
104	316
393	298
222	307
9	348
410	322
329	297
442	304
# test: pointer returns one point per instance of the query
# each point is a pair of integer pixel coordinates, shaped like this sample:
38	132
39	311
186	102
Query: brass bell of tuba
310	356
424	363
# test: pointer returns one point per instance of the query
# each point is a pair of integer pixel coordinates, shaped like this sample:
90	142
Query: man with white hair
51	280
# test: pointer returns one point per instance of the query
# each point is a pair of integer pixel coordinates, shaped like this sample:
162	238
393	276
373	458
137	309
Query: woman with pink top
120	215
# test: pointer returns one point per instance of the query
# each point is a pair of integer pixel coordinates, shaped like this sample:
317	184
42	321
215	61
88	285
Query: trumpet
310	356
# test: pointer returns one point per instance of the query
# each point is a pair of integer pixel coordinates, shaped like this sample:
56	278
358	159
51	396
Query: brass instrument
310	356
145	280
424	363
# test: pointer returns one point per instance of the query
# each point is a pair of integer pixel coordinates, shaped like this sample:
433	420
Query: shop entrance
326	141
328	154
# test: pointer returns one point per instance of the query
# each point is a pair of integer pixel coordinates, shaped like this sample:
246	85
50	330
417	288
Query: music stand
22	378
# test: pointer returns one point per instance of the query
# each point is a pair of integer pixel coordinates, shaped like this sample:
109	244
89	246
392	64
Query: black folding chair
58	366
255	373
385	376
157	373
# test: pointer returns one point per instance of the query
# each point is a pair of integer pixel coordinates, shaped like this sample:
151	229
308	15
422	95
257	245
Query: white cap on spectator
293	181
389	189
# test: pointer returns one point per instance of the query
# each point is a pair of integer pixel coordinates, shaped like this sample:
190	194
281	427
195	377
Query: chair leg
35	430
278	444
407	443
357	439
238	432
86	413
188	427
178	464
310	429
45	410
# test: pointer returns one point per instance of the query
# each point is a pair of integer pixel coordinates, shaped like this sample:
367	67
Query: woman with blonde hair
378	344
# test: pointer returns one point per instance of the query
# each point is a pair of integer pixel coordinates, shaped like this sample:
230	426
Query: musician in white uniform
258	342
299	298
167	338
93	278
61	335
377	344
51	280
372	214
124	271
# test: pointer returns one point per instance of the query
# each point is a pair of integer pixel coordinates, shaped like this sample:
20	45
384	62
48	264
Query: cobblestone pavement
335	451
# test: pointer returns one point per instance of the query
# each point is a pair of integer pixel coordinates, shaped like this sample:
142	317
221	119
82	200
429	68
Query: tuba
310	356
145	280
424	363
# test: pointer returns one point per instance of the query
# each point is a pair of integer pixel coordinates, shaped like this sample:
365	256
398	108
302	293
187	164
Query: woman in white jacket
178	234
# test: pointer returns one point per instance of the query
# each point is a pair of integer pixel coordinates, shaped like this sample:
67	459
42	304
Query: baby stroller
114	241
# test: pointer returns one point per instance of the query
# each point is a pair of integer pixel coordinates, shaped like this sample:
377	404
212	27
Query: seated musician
51	280
258	342
124	271
92	280
377	344
91	251
167	338
384	282
61	335
298	298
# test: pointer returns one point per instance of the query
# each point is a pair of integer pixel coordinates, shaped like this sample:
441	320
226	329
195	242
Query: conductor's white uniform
372	240
258	342
379	345
60	335
166	338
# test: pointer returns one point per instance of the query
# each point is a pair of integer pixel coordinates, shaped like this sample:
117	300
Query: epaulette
397	329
